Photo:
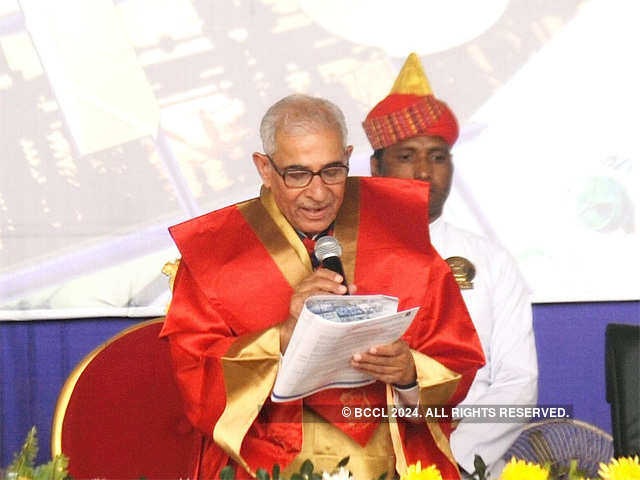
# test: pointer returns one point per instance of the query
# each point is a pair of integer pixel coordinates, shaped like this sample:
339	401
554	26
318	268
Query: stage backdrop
119	118
36	357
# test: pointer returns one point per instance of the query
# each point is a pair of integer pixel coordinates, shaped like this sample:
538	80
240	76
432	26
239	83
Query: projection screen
121	118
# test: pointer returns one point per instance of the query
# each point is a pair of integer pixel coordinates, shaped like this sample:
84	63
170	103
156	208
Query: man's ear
348	151
263	166
374	164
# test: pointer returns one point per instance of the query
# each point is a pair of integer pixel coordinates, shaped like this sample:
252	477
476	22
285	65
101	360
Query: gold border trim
437	384
69	385
346	227
248	380
284	229
396	439
443	444
278	237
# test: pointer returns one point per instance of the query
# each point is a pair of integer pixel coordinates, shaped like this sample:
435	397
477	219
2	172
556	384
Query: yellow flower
415	472
625	468
521	470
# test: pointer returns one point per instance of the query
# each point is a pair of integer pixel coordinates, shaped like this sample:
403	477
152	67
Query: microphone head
327	247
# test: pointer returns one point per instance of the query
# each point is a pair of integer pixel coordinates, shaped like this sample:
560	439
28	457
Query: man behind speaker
412	133
244	275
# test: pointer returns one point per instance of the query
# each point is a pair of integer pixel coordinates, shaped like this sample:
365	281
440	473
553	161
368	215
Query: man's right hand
320	282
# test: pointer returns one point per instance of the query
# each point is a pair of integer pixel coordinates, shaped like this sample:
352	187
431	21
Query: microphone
328	251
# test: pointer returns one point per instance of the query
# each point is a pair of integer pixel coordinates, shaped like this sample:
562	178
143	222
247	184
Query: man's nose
317	189
423	169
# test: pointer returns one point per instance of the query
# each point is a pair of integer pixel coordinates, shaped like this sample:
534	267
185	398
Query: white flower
342	474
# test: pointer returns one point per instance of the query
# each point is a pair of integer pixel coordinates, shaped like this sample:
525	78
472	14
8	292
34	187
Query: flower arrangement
23	466
306	473
618	469
520	469
626	468
416	472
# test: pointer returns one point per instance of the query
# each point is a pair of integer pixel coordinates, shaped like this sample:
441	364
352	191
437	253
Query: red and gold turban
410	110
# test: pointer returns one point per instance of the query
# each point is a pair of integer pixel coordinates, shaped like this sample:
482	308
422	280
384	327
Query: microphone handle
334	264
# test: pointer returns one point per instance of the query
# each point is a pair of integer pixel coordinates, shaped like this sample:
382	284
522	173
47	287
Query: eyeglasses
296	177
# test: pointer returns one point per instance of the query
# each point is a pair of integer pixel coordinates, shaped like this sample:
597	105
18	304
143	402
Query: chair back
622	365
120	414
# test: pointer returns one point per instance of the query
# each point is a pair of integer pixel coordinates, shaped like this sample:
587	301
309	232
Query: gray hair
299	114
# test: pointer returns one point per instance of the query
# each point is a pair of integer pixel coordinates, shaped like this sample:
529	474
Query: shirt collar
315	237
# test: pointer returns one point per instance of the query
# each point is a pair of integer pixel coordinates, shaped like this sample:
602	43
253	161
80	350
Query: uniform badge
463	271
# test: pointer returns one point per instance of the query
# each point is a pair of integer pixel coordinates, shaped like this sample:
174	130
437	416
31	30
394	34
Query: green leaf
23	462
572	473
297	476
316	476
61	467
576	473
343	462
227	473
306	469
262	474
56	469
275	472
480	466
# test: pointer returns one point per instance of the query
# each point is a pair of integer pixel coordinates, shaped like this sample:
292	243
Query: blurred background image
119	118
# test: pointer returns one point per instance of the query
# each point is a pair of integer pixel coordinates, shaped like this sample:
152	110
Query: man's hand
391	363
320	282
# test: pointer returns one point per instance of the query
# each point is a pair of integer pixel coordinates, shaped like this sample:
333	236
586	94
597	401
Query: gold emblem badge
463	271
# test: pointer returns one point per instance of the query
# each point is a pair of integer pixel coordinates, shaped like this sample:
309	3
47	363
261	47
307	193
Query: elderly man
244	275
412	133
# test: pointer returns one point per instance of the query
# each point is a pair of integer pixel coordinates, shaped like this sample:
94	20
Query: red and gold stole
247	259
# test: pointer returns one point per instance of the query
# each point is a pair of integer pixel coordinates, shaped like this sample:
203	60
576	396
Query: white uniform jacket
500	309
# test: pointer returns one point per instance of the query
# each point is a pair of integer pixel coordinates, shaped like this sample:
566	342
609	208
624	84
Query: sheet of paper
322	344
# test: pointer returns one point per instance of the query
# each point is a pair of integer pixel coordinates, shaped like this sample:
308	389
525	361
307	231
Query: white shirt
500	309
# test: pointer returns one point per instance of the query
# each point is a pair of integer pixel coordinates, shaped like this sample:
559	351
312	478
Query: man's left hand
391	363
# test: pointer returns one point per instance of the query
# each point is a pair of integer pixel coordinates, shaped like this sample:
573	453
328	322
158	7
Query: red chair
120	415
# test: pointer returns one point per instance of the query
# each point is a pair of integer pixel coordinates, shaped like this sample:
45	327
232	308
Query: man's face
420	158
310	209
